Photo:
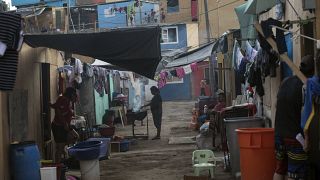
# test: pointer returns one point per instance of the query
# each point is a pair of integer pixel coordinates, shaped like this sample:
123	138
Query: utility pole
317	63
211	64
140	12
207	20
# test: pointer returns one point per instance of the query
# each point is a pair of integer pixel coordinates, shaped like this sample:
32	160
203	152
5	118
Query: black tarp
134	49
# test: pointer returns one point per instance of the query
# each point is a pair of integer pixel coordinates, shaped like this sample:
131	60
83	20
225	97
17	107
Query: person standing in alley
60	126
290	155
156	109
203	85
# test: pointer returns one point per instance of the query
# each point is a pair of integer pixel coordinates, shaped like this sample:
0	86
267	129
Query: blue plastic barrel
25	161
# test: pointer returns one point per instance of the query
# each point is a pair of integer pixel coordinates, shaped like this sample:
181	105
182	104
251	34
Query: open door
45	110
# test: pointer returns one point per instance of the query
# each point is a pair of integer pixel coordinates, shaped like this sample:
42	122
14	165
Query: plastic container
257	156
104	148
87	150
25	161
90	170
107	131
48	173
124	145
231	125
61	169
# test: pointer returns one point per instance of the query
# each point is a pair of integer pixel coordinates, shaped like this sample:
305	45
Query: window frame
174	11
180	81
167	29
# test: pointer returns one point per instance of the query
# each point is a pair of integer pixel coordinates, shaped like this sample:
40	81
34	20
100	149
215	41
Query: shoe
156	137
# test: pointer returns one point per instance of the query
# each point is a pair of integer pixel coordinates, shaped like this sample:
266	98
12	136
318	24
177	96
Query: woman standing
61	124
156	109
203	85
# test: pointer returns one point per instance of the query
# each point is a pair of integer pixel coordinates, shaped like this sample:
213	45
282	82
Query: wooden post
317	63
283	57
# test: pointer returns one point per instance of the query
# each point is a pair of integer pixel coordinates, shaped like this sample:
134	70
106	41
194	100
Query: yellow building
221	15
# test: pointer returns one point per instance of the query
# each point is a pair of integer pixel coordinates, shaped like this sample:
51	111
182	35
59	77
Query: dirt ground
157	159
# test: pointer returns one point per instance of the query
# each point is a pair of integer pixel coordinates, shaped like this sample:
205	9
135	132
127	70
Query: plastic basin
87	150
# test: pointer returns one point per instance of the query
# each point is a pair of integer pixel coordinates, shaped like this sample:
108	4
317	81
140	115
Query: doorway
45	110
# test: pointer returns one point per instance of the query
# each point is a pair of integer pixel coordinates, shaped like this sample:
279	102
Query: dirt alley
157	159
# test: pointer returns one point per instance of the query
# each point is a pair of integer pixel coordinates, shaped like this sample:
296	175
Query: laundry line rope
296	33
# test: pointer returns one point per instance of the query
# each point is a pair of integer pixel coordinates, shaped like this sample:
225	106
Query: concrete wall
197	76
28	78
184	14
222	17
192	35
177	91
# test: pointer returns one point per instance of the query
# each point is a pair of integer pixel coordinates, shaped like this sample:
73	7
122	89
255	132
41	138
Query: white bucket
48	173
90	170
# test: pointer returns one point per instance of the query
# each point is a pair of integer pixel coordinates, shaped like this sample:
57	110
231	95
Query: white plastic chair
201	160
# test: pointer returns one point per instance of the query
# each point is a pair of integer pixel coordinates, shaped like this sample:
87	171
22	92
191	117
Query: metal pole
211	65
207	20
140	12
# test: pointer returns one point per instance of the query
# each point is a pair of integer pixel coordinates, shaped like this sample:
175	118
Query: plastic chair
201	160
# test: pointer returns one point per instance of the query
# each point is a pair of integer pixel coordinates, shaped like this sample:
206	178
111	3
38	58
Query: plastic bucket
90	170
60	168
48	173
86	150
104	147
231	125
25	161
257	155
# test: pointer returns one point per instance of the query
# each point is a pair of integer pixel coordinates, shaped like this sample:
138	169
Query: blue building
50	3
127	13
178	36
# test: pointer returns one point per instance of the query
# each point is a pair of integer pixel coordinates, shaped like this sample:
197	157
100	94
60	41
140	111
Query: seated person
221	102
205	116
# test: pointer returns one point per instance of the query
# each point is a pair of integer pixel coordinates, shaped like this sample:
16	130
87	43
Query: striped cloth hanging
8	69
10	29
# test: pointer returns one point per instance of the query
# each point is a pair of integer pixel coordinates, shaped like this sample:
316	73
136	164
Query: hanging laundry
161	83
163	79
87	70
250	52
10	30
242	70
99	80
235	54
180	72
106	84
257	46
8	69
194	67
174	73
187	69
169	75
255	78
280	38
163	75
279	10
239	57
78	67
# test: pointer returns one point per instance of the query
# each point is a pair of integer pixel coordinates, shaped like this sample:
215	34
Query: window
174	80
172	6
169	35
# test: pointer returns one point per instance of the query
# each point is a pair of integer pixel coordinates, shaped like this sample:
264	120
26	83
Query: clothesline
307	37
